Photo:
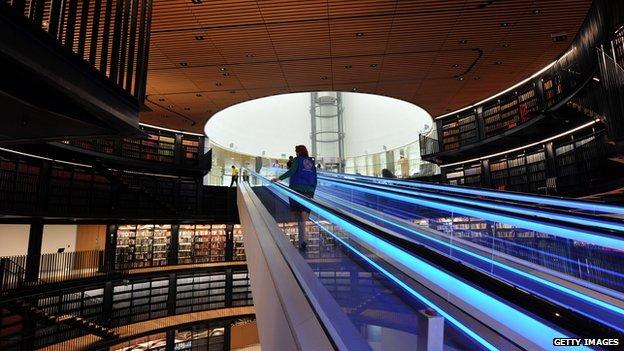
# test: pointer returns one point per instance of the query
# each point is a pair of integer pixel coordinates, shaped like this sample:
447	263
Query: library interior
311	175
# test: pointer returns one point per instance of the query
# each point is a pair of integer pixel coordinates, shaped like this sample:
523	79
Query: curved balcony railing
536	98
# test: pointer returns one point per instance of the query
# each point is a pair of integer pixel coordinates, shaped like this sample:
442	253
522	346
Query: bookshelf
143	245
465	175
239	250
186	235
459	130
553	89
190	148
510	112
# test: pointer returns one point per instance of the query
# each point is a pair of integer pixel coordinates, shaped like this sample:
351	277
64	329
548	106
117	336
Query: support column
35	238
174	247
170	346
171	295
110	248
228	287
107	303
229	242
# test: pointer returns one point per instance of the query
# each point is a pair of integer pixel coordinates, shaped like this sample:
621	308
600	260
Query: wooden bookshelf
190	147
553	89
459	130
465	175
239	250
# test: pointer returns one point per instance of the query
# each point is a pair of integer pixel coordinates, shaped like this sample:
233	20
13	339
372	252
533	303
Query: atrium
311	175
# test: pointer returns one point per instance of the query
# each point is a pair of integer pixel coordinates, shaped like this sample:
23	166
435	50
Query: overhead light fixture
463	41
354	89
323	78
359	34
184	64
504	24
187	108
250	55
498	62
232	91
348	66
373	65
199	37
476	78
456	65
196	1
170	106
198	94
226	74
460	78
161	99
223	69
218	84
537	11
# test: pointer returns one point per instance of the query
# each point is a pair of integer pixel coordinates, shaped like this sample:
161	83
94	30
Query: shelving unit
143	245
239	250
465	175
126	236
553	89
186	235
140	300
190	147
459	131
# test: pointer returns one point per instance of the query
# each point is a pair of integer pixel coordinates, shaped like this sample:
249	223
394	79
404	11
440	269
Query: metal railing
53	267
111	36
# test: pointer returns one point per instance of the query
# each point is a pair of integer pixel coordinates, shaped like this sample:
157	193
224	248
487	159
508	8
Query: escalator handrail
505	195
548	226
581	325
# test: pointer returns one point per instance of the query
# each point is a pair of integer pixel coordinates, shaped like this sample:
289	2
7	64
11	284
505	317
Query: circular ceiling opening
272	126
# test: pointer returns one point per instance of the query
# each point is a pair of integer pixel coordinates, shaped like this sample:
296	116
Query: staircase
28	310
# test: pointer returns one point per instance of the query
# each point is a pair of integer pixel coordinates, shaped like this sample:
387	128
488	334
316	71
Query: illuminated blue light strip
556	230
404	214
536	331
538	213
537	279
413	292
544	200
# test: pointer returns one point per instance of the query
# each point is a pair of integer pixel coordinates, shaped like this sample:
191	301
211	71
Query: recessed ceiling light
184	64
348	66
498	62
505	45
504	24
223	69
218	84
196	1
460	78
323	78
354	89
198	94
170	106
463	41
476	78
373	65
226	74
537	11
187	108
359	34
161	99
250	55
199	37
232	91
456	65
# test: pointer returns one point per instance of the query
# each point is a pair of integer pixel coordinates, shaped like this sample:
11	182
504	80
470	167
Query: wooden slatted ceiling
411	50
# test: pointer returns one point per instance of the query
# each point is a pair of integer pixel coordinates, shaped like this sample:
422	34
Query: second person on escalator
302	174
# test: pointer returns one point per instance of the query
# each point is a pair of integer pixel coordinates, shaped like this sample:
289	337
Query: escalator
398	282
